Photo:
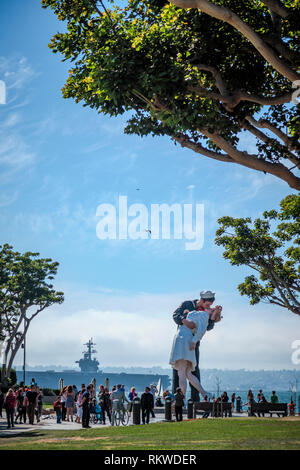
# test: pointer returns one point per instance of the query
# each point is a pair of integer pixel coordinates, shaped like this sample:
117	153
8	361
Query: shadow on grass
10	435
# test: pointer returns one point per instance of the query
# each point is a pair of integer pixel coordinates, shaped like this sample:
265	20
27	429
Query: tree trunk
5	373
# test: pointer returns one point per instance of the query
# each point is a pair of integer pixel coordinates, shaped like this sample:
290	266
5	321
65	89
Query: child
57	408
291	407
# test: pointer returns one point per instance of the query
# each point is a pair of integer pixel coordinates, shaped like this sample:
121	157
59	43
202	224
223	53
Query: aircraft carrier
89	370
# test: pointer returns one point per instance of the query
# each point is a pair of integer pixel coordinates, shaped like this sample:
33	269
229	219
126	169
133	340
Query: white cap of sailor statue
207	295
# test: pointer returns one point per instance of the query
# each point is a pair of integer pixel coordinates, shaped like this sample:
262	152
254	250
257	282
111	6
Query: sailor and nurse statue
194	318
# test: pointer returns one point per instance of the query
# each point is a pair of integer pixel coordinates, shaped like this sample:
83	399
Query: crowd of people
24	403
260	398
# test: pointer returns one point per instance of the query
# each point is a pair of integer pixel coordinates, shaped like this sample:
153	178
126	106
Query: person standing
147	404
92	391
10	403
117	398
206	413
179	404
85	405
260	392
79	409
105	403
232	401
274	398
20	402
206	300
291	407
132	394
70	402
75	392
32	403
250	399
39	404
57	409
225	399
101	390
63	400
153	390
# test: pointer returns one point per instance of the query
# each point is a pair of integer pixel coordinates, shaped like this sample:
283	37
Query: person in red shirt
57	408
10	404
291	407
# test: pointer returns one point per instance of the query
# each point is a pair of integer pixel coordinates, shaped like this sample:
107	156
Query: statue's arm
179	313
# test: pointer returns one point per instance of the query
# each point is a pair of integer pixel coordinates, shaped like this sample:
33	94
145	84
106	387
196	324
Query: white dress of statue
182	357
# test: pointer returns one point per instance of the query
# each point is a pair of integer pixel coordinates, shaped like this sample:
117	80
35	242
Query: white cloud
17	73
137	330
12	120
16	154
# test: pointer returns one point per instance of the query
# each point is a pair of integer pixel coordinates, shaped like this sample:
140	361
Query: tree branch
275	41
276	281
264	124
228	16
220	84
185	141
278	303
264	138
232	100
293	298
252	161
200	91
277	7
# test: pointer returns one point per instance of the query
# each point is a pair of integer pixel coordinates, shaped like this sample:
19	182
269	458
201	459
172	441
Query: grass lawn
226	433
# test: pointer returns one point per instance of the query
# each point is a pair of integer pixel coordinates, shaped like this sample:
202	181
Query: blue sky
60	160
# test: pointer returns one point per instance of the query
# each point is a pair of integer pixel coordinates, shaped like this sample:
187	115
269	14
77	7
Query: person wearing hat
207	298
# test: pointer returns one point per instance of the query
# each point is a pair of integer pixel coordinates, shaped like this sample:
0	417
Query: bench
214	409
262	408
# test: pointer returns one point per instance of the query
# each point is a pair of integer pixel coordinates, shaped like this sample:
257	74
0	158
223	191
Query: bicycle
121	417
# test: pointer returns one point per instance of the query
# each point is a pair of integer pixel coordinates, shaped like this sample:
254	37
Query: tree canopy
203	72
274	256
25	291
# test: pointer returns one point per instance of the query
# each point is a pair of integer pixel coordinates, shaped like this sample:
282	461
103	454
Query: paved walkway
51	424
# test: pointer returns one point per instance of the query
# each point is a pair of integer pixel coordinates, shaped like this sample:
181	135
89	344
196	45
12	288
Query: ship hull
51	379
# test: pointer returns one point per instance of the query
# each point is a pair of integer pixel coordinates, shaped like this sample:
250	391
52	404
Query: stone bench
270	408
215	410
